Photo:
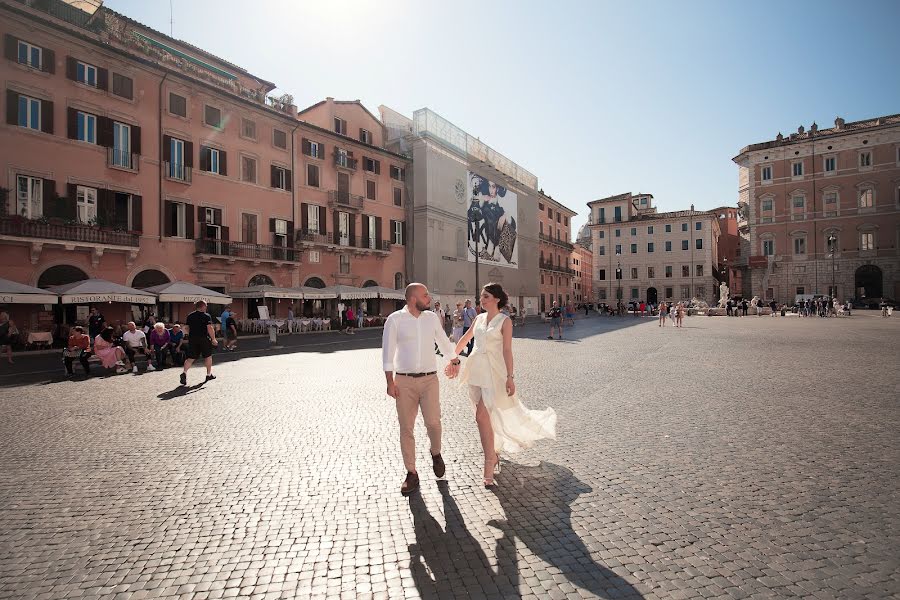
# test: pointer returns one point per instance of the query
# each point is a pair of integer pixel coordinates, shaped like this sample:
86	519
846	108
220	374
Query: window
566	221
634	292
248	129
558	216
797	169
669	228
865	159
618	214
801	290
370	189
668	246
86	74
123	86
29	54
634	248
340	126
602	218
668	270
281	178
767	204
618	232
767	173
602	251
684	227
651	272
601	275
177	105
342	158
398	233
685	271
371	165
685	244
867	241
830	198
313	217
177	225
312	175
799	245
699	270
602	234
212	116
398	197
668	292
799	201
618	248
279	236
345	264
211	160
30	113
248	228
768	247
634	231
549	213
121	145
698	226
650	229
312	256
399	174
29	196
685	291
86	127
176	164
701	291
248	169
699	243
866	198
601	294
343	227
86	204
649	246
365	136
279	139
830	164
634	273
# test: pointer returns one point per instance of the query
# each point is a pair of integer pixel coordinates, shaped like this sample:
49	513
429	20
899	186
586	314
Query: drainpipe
294	195
159	138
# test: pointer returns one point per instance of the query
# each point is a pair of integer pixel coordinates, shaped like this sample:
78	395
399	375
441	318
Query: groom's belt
417	374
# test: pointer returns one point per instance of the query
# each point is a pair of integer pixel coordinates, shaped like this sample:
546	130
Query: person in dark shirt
201	339
95	323
176	343
555	314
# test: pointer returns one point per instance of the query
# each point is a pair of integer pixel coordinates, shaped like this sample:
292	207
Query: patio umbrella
267	291
182	291
13	292
101	290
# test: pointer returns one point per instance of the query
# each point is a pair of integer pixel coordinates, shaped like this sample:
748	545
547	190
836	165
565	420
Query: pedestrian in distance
8	333
201	340
469	315
231	332
410	370
663	311
555	314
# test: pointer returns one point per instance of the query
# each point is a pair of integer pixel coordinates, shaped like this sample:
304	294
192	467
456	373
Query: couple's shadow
537	504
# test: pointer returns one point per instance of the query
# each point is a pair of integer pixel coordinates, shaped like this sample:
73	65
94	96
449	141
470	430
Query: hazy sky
595	98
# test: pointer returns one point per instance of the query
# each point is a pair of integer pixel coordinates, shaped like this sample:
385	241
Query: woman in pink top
109	354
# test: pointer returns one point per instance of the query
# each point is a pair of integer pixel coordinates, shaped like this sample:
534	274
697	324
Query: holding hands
451	370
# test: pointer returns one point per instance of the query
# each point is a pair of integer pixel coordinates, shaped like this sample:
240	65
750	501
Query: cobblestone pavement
734	458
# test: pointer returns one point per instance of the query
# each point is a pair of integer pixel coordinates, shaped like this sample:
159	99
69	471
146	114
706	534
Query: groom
410	368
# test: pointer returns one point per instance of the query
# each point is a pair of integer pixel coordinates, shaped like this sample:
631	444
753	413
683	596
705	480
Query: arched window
398	281
149	278
315	282
61	275
370	283
260	280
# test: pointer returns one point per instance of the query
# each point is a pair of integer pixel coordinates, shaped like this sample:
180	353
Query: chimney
838	123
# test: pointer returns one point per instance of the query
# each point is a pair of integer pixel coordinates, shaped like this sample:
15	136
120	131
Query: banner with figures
492	222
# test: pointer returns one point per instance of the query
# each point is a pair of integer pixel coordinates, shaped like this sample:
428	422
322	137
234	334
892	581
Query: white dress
516	428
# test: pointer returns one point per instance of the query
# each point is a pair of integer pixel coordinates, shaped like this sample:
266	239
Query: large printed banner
493	211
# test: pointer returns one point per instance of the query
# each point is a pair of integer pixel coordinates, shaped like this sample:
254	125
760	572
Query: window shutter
103	79
105	207
72	123
271	225
189	154
49	65
287	180
352	220
46	116
169	215
204	158
290	234
136	139
403	232
378	232
189	221
167	148
365	230
49	188
322	229
273	171
225	233
71	68
217	216
137	213
335	224
105	132
393	229
223	163
378	167
11	47
307	149
61	209
304	217
361	130
12	108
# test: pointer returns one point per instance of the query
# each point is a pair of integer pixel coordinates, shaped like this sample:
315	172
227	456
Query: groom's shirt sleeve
446	347
389	344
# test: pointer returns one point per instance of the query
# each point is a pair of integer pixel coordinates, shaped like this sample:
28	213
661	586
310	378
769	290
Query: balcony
177	172
123	159
337	199
551	240
344	161
312	237
83	234
549	266
245	251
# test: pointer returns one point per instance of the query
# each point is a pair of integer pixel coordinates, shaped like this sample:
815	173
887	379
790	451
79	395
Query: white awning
101	290
13	292
388	293
182	291
267	291
347	292
311	293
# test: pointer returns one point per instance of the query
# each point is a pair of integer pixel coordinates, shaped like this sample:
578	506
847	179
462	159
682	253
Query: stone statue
723	295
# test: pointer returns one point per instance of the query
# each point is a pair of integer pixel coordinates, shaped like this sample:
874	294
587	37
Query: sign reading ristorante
126	298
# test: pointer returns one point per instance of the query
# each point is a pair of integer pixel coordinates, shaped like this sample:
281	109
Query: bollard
273	335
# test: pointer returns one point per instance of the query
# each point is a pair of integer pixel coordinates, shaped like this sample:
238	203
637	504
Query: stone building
556	260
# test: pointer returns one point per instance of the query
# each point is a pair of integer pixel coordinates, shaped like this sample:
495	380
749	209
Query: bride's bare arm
465	339
507	331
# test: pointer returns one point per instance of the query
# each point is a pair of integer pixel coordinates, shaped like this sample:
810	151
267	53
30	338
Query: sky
595	98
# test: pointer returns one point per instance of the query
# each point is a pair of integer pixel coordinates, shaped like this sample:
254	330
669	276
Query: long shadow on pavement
180	391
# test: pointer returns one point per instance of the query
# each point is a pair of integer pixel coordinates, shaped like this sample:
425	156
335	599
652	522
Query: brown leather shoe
438	464
411	485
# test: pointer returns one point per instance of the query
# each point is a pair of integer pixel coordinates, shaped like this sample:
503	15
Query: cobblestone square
737	457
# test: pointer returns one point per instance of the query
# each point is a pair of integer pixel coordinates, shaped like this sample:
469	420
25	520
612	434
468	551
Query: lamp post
832	239
619	279
725	272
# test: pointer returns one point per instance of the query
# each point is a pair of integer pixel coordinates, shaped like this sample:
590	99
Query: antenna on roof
171	19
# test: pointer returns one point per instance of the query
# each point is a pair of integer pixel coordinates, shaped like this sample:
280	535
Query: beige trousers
414	392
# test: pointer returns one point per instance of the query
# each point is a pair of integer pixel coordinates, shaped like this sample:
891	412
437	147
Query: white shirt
134	339
407	344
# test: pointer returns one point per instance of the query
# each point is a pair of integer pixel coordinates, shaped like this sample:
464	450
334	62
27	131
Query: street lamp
619	279
832	239
725	271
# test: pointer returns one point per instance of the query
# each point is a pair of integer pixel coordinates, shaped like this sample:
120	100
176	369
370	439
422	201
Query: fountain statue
723	295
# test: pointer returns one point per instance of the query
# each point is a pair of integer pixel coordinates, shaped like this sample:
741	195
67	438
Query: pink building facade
557	274
136	158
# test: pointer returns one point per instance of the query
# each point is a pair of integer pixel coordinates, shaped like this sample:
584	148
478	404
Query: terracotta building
824	211
556	268
137	158
731	263
582	279
640	254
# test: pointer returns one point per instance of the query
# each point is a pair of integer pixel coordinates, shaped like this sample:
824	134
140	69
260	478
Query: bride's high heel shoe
489	481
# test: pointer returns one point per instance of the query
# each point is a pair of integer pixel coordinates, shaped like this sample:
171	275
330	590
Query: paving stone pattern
735	458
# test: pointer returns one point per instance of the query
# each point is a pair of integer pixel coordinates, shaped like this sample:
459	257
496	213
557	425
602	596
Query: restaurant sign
90	298
28	299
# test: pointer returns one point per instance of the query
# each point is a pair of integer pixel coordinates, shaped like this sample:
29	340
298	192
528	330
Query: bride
504	424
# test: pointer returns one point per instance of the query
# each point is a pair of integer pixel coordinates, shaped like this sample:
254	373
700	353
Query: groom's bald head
417	295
